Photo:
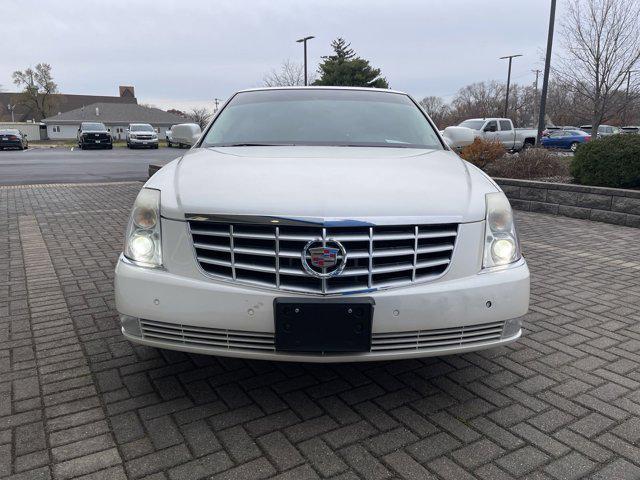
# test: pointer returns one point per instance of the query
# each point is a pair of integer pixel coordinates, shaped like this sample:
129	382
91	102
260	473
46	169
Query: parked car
603	130
141	135
630	130
13	138
94	134
549	129
501	129
182	134
565	139
359	236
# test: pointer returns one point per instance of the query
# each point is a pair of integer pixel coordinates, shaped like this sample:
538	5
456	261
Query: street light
626	97
545	77
11	108
304	41
506	101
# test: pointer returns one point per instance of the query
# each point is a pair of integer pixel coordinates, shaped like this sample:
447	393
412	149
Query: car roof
314	87
140	124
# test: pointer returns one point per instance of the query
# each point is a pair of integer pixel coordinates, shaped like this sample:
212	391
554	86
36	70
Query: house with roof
115	116
13	109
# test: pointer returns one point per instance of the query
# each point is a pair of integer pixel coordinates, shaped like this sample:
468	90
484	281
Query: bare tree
437	108
200	115
291	74
38	89
601	44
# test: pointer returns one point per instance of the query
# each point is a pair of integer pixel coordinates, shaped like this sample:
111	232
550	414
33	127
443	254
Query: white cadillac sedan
322	225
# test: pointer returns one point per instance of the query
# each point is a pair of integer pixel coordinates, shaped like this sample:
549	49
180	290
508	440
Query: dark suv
94	134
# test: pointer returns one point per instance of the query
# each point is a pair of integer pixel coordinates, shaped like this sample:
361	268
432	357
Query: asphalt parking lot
78	401
63	165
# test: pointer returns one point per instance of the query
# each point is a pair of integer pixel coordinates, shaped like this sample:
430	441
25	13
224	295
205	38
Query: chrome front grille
269	255
422	340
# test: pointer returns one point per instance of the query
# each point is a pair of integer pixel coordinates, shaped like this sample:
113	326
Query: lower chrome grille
433	339
270	255
207	337
419	340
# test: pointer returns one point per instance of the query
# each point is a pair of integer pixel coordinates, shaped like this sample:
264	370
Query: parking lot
77	401
56	165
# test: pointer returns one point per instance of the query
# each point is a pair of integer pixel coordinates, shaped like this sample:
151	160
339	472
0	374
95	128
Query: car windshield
329	117
472	124
9	131
93	126
142	128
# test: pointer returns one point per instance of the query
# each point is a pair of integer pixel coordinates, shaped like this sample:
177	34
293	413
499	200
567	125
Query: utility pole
506	101
304	41
626	97
11	108
217	102
535	94
545	78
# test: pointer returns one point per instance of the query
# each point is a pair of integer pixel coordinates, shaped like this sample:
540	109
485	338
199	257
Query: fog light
130	325
511	327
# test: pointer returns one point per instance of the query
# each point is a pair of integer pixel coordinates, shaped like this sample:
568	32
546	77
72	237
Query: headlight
501	245
143	238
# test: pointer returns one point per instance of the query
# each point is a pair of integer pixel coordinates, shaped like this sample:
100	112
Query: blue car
565	139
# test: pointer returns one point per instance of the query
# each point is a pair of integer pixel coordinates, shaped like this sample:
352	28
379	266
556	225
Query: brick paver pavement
78	401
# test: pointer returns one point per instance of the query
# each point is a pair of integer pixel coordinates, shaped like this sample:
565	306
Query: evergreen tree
344	68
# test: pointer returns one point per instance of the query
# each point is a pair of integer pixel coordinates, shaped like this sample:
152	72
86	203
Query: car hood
376	184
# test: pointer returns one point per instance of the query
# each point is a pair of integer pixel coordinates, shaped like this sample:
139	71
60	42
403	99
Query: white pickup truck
501	129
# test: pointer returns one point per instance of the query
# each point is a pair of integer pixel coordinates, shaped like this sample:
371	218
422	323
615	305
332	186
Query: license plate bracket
323	326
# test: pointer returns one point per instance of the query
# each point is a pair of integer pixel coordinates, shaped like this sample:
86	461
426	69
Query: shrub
608	162
483	152
530	164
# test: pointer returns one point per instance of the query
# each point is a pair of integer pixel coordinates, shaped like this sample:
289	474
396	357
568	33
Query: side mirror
108	130
186	133
458	137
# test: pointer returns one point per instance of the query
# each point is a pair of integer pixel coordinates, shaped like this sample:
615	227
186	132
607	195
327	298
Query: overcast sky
181	54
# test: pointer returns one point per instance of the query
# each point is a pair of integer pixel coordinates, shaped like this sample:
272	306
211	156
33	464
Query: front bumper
143	142
10	144
166	310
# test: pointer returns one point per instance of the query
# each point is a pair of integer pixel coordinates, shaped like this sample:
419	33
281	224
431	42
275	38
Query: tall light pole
506	101
535	94
626	97
304	41
545	78
11	108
